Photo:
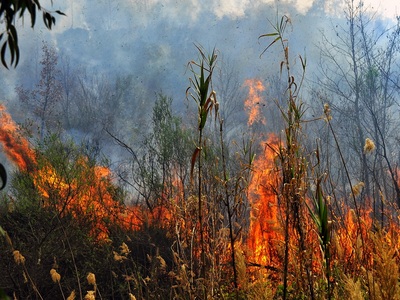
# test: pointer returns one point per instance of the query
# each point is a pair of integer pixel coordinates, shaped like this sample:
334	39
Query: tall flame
264	234
16	147
254	101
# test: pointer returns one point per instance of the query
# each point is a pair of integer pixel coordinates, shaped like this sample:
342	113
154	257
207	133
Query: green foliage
201	83
280	29
10	11
165	161
169	133
320	215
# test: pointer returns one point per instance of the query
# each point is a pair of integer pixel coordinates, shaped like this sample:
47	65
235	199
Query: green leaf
11	47
3	55
2	231
32	11
203	118
3	176
273	42
14	42
60	13
38	4
303	62
47	19
14	34
22	9
268	34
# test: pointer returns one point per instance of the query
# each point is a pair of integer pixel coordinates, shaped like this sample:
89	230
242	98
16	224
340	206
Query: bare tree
44	101
358	73
68	79
230	96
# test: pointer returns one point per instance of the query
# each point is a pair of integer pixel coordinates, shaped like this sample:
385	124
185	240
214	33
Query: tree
358	75
69	83
161	164
230	97
97	101
44	101
10	10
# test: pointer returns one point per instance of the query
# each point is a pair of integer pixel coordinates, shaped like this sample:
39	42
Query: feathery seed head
71	296
91	278
124	249
369	146
56	277
357	188
18	257
132	297
118	257
327	112
90	295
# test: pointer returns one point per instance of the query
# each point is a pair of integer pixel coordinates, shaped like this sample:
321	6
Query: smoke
152	41
149	36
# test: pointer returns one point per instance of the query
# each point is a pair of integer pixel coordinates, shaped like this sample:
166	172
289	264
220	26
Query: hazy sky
182	10
154	39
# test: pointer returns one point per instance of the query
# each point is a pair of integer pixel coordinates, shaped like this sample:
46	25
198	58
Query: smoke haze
152	41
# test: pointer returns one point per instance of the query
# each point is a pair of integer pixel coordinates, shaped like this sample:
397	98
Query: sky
182	10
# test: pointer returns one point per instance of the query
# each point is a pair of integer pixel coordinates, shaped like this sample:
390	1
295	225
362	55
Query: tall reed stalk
200	90
292	161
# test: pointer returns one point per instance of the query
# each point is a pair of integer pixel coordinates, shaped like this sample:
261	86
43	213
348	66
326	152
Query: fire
16	148
355	238
264	234
254	101
92	199
89	195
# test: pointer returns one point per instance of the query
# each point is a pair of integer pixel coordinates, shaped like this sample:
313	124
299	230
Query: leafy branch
10	10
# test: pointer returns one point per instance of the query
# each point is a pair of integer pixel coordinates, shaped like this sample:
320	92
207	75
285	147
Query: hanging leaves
11	10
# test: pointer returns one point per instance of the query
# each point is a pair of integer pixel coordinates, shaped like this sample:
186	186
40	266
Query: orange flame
254	101
16	148
266	236
353	239
264	224
90	198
